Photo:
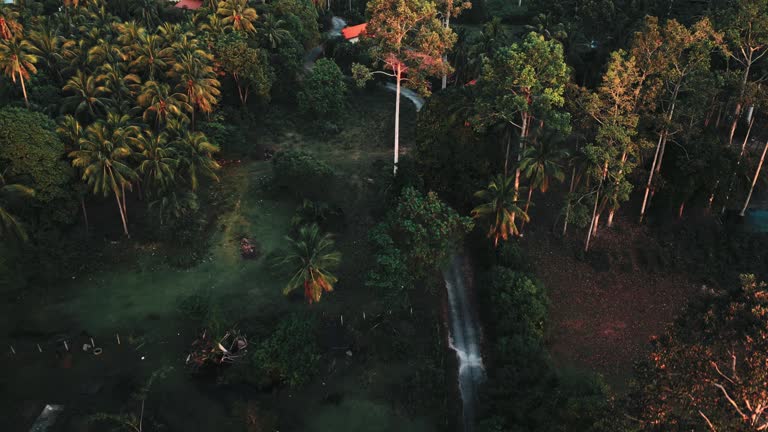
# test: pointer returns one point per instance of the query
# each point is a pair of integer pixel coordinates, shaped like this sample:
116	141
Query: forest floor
138	298
606	308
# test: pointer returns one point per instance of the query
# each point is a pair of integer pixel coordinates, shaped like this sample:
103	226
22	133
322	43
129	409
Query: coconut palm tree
17	61
238	15
53	49
105	52
9	225
158	164
197	80
151	54
9	23
103	160
540	165
87	95
213	27
311	257
195	154
272	31
70	131
123	88
500	207
159	103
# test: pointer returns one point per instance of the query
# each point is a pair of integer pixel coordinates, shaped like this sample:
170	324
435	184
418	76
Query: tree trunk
523	136
24	88
506	154
650	177
611	213
125	208
595	217
85	215
122	214
568	205
754	180
447	25
681	209
397	117
527	205
738	163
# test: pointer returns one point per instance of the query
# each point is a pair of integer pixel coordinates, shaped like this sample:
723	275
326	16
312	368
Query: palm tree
540	164
105	52
159	103
9	225
499	205
195	153
214	26
70	131
151	54
129	34
18	62
273	32
122	87
197	80
52	48
88	95
238	15
102	157
158	164
9	23
311	256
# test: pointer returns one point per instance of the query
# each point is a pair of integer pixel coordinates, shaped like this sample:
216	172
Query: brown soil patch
601	317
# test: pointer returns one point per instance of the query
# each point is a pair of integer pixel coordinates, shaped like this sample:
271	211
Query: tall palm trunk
122	214
23	87
125	208
527	205
595	216
85	215
754	180
397	116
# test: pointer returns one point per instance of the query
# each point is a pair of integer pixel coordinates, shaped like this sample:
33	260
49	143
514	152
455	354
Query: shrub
290	355
323	92
300	172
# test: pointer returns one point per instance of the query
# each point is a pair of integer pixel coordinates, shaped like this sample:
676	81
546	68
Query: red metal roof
354	31
189	4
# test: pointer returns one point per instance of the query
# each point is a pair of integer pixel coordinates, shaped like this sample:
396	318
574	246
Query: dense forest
205	225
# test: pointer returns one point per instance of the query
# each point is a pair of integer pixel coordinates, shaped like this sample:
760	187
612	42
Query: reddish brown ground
603	320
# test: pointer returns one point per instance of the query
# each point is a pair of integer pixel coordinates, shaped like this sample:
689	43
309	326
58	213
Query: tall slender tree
17	61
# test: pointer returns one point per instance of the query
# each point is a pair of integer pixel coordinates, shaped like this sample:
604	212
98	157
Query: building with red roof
189	4
353	33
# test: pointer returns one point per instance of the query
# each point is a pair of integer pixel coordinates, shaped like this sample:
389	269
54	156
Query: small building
189	4
8	2
353	33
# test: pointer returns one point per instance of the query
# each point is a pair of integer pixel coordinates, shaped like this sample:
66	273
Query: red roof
353	31
189	4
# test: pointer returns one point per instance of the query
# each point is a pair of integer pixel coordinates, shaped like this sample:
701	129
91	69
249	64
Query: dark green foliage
195	306
32	154
323	92
524	392
300	172
301	16
290	355
414	241
249	67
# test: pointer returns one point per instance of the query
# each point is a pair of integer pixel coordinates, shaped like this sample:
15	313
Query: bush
290	355
323	92
300	173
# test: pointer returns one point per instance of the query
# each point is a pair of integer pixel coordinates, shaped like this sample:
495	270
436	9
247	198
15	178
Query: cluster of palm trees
541	164
130	92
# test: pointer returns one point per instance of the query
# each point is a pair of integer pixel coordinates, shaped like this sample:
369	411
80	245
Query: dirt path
603	320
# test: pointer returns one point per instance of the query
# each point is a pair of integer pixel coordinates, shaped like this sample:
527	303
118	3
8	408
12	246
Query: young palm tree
238	15
18	62
102	157
9	225
541	164
311	256
87	96
272	31
196	157
158	164
159	103
499	205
